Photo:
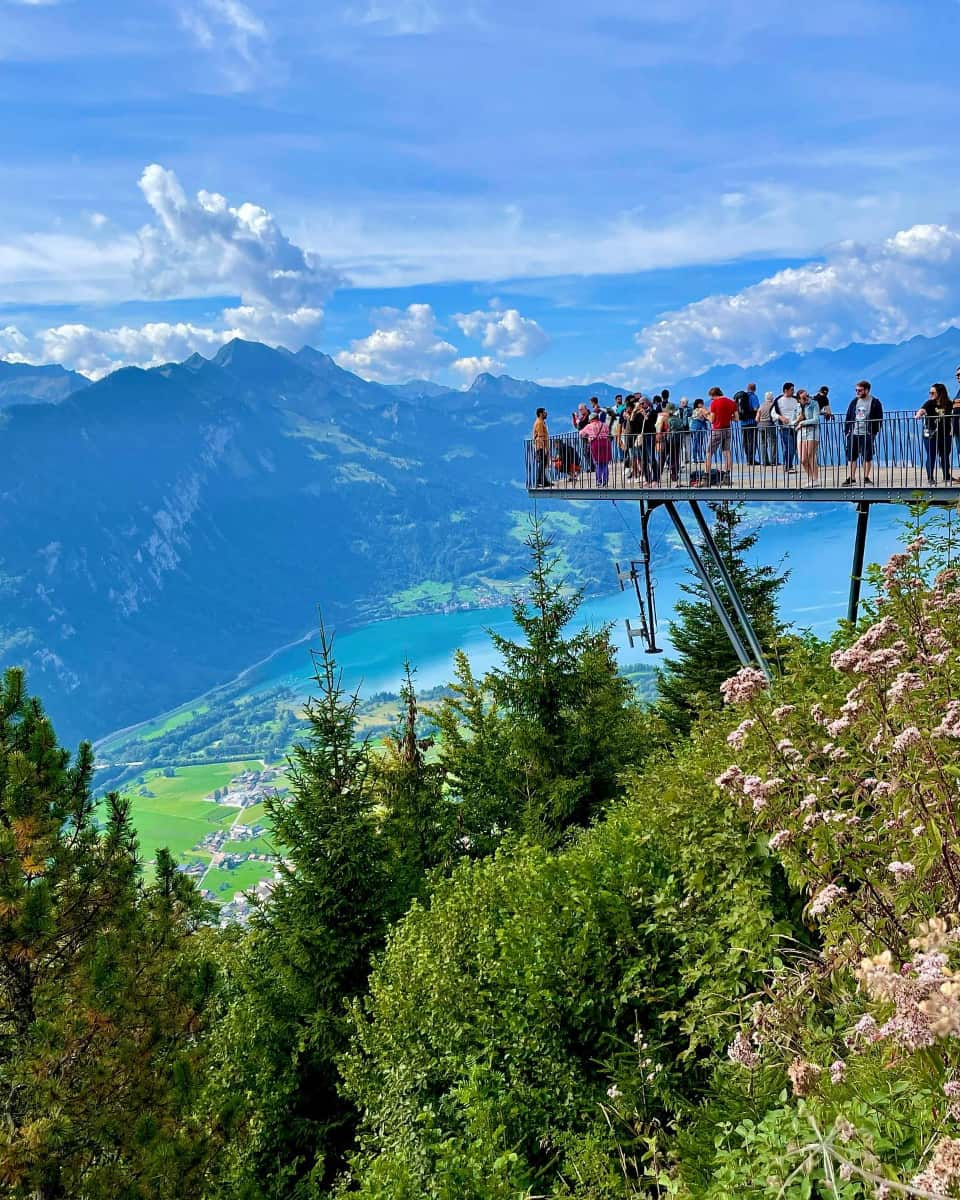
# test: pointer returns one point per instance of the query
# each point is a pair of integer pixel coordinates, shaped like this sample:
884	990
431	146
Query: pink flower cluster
739	735
825	899
741	1052
905	682
744	686
950	725
911	736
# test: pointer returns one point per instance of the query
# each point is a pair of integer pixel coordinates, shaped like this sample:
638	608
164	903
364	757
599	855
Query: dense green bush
525	1032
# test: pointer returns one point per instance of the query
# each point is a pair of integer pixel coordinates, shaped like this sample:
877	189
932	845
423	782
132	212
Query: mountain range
162	529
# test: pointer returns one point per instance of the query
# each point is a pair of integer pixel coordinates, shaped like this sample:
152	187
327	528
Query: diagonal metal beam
859	547
738	606
715	599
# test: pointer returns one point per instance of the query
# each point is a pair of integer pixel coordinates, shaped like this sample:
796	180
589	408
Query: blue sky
560	191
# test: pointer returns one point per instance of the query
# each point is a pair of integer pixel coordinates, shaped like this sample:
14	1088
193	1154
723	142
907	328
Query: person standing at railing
541	449
955	420
581	419
598	436
785	409
767	432
808	436
699	429
632	437
723	412
936	412
650	465
823	400
747	403
862	424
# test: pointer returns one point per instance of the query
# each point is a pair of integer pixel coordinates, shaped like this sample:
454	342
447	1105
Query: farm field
175	815
225	884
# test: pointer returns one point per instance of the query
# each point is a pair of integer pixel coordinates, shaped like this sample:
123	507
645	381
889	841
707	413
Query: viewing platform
898	471
899	459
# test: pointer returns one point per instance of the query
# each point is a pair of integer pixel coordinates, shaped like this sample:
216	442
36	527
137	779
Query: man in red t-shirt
723	411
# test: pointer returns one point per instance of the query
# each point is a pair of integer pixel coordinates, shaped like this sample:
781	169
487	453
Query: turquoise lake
815	544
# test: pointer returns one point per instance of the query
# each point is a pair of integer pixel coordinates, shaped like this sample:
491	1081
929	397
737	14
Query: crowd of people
693	444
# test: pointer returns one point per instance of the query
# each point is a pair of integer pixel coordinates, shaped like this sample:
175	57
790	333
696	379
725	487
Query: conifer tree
307	955
417	822
689	683
102	993
549	731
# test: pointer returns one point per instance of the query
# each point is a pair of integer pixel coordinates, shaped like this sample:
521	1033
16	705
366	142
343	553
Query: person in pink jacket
597	434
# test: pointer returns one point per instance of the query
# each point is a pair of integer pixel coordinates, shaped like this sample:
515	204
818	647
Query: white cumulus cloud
196	247
504	331
205	246
887	291
404	345
475	365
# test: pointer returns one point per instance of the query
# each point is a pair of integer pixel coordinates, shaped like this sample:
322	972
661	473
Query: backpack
744	406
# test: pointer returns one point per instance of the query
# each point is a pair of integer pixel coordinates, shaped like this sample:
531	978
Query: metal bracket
647	629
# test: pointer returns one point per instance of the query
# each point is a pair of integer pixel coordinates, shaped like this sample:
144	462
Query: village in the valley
244	792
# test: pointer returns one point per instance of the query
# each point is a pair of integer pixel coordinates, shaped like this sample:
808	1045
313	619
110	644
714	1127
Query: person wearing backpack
747	405
676	436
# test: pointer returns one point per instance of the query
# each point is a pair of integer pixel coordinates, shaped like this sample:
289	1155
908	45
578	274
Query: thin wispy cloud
234	36
396	17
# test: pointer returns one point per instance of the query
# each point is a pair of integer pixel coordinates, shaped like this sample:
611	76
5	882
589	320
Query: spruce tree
307	955
548	732
417	822
702	658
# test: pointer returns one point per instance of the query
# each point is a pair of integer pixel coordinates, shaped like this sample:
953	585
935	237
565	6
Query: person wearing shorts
723	412
862	424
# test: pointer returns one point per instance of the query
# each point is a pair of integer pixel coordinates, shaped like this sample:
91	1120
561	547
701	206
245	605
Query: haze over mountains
160	530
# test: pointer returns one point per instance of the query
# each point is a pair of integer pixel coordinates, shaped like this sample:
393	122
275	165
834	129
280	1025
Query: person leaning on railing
861	426
936	412
541	449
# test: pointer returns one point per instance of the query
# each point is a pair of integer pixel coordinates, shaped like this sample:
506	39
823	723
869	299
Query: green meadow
176	814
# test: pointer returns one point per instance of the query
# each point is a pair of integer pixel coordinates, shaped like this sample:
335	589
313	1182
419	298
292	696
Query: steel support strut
646	512
718	607
859	547
738	606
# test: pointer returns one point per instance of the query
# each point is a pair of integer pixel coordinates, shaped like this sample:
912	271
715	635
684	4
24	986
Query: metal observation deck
660	472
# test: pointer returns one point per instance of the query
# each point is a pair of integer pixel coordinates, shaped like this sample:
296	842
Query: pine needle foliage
103	988
537	745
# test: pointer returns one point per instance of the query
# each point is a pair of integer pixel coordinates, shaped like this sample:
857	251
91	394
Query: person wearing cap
823	400
541	449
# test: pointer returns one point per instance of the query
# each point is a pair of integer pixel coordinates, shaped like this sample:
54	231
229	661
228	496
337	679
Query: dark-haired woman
936	413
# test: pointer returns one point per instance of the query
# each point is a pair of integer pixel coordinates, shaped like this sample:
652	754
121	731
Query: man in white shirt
785	409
